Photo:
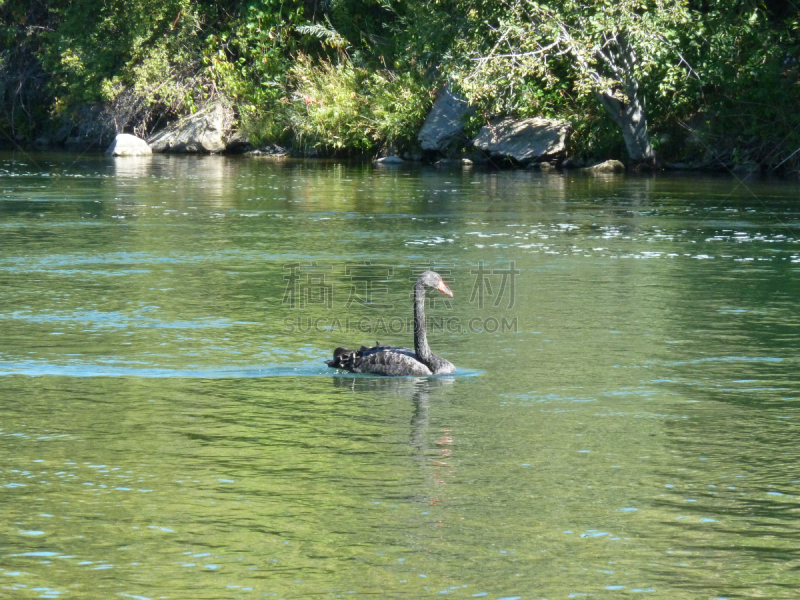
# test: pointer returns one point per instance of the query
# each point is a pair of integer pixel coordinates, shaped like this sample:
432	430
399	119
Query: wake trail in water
305	369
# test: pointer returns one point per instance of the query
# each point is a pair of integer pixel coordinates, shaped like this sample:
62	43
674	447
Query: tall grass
335	107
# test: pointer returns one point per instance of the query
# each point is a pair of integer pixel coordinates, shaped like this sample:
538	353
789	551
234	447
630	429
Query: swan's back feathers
390	361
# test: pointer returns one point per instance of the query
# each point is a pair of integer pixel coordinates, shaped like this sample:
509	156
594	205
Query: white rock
389	160
126	144
608	166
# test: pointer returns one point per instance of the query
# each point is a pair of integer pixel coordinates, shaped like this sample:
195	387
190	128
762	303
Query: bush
341	106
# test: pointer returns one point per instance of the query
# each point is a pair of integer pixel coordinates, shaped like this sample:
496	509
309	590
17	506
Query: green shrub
341	106
265	125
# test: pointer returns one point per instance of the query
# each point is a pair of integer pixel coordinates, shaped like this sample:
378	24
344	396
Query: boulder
453	162
608	166
389	160
126	144
273	151
444	122
525	140
204	132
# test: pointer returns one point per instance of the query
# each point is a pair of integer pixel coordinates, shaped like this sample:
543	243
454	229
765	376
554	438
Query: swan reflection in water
417	389
433	458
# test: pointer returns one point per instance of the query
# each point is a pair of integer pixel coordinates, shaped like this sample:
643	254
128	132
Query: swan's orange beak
444	289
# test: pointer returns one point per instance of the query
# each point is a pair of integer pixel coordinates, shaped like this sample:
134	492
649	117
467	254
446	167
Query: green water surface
624	422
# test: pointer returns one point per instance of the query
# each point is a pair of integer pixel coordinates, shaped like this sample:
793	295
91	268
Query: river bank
443	140
693	86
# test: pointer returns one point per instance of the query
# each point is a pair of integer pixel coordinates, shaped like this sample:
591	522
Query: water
624	421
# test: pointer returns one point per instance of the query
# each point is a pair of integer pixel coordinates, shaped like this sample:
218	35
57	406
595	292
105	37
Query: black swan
390	360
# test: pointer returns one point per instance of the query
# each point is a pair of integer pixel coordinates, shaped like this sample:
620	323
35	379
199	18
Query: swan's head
432	279
341	357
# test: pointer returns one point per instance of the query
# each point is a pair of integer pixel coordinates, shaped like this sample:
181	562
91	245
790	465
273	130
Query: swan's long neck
420	337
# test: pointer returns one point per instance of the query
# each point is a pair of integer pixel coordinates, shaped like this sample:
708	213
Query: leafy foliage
24	93
358	75
613	51
343	106
750	82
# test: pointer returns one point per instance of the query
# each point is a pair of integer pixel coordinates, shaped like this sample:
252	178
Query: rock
200	133
126	144
389	160
525	140
272	151
444	122
453	162
478	158
541	166
238	143
609	166
572	163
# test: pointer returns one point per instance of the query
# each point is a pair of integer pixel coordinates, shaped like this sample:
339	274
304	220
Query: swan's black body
394	361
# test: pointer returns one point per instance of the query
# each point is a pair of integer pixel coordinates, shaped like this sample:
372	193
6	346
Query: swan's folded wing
398	361
364	351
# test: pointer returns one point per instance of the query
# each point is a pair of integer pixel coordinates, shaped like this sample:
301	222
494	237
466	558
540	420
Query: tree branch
541	50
